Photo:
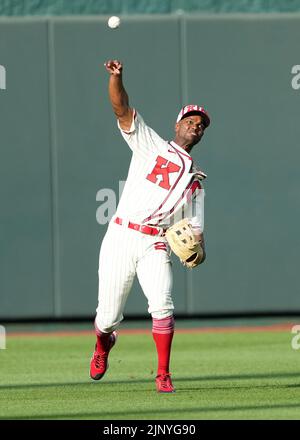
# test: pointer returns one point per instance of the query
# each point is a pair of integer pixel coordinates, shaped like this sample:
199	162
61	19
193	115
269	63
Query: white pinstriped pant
125	253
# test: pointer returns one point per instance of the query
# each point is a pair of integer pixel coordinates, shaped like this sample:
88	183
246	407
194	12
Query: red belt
145	229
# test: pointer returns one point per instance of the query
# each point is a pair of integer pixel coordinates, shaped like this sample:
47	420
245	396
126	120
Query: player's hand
114	67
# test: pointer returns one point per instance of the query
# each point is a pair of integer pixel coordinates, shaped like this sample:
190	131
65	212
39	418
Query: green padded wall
91	154
244	76
26	272
60	145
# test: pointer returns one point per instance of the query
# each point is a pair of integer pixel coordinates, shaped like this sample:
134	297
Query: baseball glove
184	244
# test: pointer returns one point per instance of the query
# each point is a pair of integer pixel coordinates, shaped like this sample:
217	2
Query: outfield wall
60	146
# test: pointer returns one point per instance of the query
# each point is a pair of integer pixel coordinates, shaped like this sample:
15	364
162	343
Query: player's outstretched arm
118	95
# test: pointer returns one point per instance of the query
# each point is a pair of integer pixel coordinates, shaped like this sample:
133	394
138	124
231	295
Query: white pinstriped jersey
163	185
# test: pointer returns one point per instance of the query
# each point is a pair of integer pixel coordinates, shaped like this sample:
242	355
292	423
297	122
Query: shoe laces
165	380
100	360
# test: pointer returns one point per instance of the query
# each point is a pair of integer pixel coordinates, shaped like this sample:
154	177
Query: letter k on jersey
163	168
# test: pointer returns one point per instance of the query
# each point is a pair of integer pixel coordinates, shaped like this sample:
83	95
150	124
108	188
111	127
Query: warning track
228	329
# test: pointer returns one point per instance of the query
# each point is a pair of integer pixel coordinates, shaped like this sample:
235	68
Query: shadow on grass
125	415
279	375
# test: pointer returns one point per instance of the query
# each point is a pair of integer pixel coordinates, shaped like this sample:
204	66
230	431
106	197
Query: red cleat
99	361
164	383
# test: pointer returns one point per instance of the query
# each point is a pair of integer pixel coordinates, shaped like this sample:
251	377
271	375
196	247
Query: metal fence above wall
110	7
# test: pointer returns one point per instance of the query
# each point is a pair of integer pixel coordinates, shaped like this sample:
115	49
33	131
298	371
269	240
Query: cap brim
197	112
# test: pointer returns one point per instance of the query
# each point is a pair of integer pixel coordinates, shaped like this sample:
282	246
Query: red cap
192	108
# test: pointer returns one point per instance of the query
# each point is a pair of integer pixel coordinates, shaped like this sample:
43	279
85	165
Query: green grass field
217	376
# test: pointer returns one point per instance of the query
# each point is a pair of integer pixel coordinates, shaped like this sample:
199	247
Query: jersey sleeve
197	219
140	138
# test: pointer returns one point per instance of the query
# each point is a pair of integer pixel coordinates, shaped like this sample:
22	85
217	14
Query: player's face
190	129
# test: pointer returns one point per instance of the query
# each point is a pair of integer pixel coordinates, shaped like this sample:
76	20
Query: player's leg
116	274
155	276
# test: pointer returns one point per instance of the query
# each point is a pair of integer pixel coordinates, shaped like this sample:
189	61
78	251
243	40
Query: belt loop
125	223
121	222
161	232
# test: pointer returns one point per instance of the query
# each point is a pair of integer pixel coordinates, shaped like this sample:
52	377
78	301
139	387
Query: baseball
114	22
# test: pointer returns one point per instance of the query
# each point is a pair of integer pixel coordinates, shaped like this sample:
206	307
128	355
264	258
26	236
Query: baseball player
163	186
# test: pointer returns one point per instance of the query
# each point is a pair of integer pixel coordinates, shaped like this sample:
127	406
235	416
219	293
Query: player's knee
161	314
105	326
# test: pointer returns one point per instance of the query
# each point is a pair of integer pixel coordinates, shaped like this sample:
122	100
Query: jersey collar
199	173
182	150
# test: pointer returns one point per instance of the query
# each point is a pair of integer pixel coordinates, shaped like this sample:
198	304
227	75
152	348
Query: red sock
162	331
102	340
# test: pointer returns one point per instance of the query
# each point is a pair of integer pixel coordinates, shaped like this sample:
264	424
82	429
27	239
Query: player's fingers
113	66
110	68
118	64
108	63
